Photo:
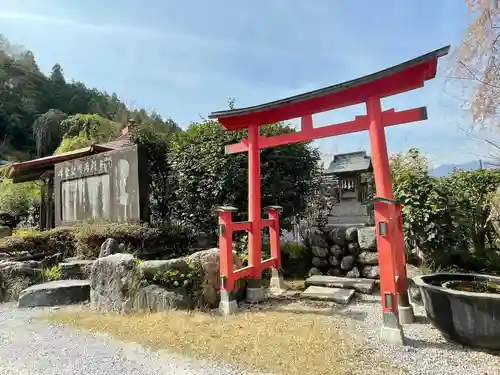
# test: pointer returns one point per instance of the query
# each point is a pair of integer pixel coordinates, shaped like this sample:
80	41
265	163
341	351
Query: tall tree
477	68
33	105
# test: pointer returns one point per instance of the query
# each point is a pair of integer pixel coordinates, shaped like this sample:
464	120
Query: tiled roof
351	162
33	169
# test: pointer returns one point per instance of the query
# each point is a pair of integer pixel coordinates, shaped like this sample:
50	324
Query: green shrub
85	240
448	222
294	250
58	240
191	281
51	274
168	241
22	232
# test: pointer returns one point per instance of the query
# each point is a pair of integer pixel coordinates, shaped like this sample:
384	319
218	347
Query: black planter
468	318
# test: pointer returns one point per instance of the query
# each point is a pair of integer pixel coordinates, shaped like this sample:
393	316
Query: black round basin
464	307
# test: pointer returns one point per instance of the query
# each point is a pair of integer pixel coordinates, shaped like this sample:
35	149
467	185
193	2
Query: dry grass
271	341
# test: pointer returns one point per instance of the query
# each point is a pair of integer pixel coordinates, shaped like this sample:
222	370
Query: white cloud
120	30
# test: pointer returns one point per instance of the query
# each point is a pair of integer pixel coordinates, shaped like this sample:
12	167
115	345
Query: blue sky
186	58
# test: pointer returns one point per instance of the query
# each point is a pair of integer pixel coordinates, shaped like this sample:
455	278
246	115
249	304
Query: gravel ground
426	352
30	346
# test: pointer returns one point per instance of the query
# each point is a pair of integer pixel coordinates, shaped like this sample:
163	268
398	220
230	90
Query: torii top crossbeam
400	78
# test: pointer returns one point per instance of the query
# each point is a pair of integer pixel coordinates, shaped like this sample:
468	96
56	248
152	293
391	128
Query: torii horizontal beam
390	117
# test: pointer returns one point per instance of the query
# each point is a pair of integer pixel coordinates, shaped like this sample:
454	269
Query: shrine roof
33	169
350	162
396	79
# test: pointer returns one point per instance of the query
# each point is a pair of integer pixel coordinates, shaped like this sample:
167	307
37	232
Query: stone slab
55	293
337	295
358	284
75	269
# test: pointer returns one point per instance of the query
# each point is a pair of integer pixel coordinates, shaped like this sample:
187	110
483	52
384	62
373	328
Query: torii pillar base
277	284
391	331
255	291
228	304
405	312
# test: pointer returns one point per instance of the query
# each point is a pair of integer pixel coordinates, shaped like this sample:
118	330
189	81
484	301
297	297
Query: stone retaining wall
350	252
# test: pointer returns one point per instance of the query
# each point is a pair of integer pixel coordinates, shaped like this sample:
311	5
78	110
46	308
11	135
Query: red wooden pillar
383	184
226	248
406	314
274	234
254	235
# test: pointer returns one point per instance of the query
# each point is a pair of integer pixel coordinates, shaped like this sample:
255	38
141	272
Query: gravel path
426	352
30	346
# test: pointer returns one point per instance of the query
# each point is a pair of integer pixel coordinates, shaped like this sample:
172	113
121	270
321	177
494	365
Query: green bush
85	240
168	241
59	240
448	221
51	274
191	281
18	199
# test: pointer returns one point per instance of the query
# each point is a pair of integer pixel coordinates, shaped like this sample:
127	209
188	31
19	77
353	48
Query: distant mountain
446	169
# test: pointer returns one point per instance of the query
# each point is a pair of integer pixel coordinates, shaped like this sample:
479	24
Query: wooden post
391	328
254	235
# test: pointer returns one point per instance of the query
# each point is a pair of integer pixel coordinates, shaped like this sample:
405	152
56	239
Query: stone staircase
336	289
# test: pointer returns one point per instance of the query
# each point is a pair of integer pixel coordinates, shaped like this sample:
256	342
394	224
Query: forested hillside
33	105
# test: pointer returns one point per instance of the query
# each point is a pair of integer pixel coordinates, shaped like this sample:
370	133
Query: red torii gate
390	243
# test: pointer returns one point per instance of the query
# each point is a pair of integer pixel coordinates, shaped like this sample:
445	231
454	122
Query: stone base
255	291
227	304
228	307
406	315
277	282
256	294
393	336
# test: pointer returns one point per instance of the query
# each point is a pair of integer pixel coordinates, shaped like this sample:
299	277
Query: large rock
109	247
76	269
367	238
351	234
155	298
55	293
368	258
114	282
317	238
15	277
337	251
347	262
319	262
354	273
338	236
371	272
319	251
353	248
209	262
333	261
152	267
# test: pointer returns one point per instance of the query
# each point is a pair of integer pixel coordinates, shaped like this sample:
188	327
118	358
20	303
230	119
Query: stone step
320	293
55	293
359	285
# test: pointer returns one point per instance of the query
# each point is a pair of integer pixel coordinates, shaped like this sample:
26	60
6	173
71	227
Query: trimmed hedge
59	240
142	240
85	240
